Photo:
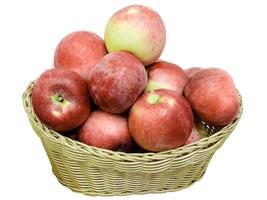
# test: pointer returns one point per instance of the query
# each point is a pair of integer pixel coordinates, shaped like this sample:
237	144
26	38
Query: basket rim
186	150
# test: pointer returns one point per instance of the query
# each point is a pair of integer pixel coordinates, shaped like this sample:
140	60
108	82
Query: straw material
95	171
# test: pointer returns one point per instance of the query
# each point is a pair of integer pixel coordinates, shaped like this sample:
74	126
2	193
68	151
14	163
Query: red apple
79	51
105	130
213	96
136	29
194	136
160	120
116	81
165	75
60	99
190	72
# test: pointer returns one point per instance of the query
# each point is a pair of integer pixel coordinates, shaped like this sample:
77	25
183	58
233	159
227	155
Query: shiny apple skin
160	120
60	99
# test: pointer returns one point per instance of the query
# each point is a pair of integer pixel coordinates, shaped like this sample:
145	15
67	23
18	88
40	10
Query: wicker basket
95	171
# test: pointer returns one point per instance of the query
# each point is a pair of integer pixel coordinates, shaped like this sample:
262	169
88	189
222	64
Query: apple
166	75
194	136
190	72
79	51
213	96
105	130
136	29
160	120
116	81
60	99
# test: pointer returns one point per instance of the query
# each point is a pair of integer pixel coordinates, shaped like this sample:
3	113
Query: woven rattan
95	171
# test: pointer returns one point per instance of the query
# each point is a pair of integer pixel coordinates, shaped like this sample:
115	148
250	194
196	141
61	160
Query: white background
227	34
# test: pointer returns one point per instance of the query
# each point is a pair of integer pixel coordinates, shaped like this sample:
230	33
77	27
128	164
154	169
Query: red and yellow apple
79	51
160	120
60	99
166	75
116	81
136	29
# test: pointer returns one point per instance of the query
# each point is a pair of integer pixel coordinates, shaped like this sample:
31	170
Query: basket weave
95	171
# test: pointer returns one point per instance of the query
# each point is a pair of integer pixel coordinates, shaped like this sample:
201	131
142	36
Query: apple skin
213	96
116	81
194	136
136	29
160	120
166	75
190	72
60	99
79	51
105	130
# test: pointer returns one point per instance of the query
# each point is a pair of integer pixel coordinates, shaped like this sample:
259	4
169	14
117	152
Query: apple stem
60	98
153	98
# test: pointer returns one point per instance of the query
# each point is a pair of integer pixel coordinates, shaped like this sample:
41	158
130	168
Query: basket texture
95	171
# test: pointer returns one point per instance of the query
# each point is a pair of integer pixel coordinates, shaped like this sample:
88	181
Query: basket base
92	193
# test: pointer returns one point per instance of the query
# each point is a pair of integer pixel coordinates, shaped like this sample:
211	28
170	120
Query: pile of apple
115	93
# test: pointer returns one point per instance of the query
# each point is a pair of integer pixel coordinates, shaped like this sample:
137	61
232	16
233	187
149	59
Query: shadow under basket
95	171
